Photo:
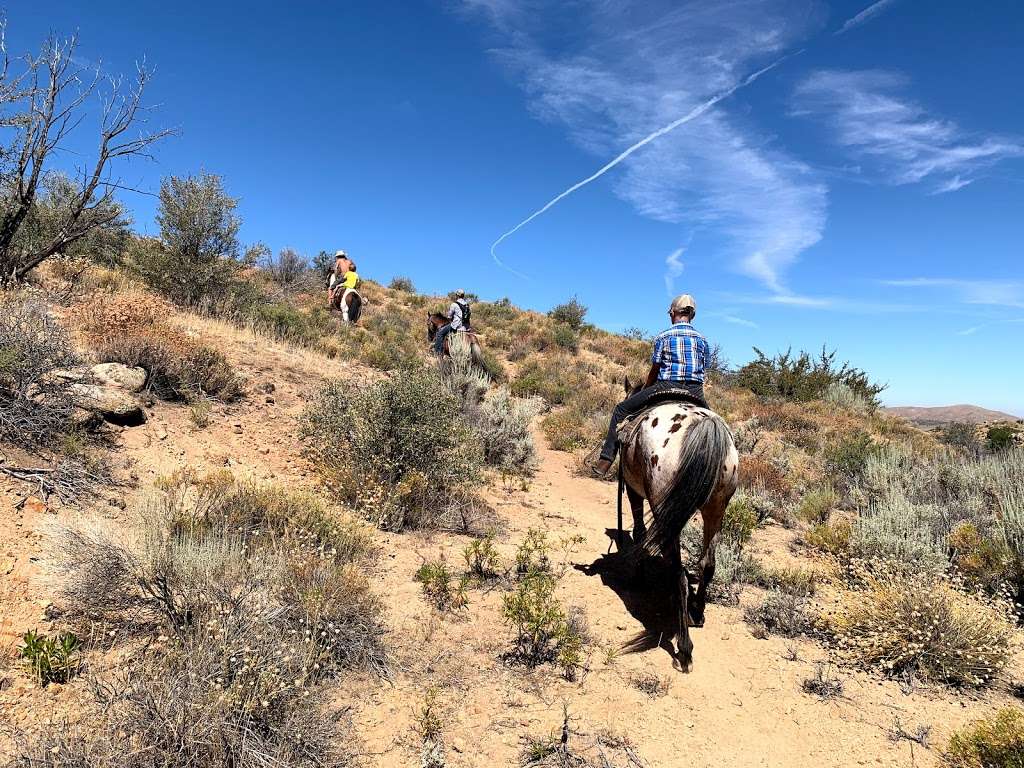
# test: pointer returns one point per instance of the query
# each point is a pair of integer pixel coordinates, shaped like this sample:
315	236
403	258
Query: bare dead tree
42	105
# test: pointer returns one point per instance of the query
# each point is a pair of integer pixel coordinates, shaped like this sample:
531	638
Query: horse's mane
438	316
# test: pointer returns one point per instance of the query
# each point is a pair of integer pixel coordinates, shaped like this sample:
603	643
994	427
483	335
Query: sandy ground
741	706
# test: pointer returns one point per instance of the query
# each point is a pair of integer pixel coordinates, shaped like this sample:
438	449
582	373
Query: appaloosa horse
681	458
436	321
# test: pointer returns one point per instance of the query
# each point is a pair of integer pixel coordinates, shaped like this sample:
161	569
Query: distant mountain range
944	414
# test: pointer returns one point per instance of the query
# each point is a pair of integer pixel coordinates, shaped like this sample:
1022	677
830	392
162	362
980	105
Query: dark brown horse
436	321
681	458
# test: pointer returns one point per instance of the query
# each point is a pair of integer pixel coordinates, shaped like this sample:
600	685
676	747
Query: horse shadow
646	588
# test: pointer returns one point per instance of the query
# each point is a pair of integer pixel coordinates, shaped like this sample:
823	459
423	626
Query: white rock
120	376
113	403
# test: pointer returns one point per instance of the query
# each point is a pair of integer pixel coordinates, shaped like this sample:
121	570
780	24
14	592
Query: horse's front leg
684	646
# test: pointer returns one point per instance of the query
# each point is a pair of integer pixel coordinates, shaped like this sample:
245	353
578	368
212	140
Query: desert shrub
289	269
567	338
35	409
402	284
781	613
962	436
51	659
439	588
842	396
482	559
501	424
740	520
398	449
492	366
801	378
832	537
571	314
289	323
567	430
131	328
760	472
816	506
387	342
534	553
199	231
982	560
848	457
543	631
908	625
995	742
800	582
999	438
895	528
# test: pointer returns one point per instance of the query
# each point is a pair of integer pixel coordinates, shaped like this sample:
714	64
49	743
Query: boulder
113	404
121	376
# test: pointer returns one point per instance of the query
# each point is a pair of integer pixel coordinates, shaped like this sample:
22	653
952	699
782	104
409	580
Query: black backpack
466	313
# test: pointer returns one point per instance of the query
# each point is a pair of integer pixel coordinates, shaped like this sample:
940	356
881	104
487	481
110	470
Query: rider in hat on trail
458	320
342	265
678	363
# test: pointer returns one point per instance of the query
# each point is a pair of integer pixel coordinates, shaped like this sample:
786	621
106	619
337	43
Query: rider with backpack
458	320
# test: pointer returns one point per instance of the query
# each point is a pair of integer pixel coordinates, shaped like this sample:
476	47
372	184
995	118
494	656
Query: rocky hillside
938	416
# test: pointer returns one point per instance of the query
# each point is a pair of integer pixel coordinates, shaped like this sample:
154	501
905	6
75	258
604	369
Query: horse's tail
476	354
356	308
704	449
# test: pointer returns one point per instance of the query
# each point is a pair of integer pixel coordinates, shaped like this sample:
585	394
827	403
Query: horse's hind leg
711	515
684	646
636	506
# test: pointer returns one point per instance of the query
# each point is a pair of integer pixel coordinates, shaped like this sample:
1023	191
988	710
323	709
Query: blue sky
864	193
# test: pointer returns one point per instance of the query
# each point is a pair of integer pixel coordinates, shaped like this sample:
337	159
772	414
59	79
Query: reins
622	486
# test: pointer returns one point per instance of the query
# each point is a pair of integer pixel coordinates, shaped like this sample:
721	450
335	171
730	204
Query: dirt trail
741	706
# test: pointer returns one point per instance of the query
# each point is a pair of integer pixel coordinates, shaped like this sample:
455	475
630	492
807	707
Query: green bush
402	284
399	449
995	742
567	430
802	378
534	552
567	338
571	314
999	438
439	588
501	424
816	506
52	659
740	520
962	436
848	457
543	631
482	558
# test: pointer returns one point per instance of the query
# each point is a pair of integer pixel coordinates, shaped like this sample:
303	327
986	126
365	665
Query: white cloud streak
864	16
867	116
1000	293
673	269
610	72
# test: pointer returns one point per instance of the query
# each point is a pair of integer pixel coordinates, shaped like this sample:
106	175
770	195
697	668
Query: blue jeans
442	334
659	390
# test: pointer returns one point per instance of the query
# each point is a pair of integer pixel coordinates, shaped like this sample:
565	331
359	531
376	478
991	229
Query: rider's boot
601	468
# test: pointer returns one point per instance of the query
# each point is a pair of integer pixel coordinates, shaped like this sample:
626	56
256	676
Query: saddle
628	426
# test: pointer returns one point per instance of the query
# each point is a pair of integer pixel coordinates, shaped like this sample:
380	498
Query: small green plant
199	412
849	457
570	314
482	558
534	553
52	659
543	631
999	438
428	719
816	506
832	537
439	587
739	521
567	338
991	743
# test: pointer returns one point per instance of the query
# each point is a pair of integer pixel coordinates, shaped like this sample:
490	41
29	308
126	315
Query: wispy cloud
864	16
1000	293
611	73
740	321
908	145
673	269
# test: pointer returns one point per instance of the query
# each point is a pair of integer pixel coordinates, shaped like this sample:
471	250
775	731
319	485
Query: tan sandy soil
741	706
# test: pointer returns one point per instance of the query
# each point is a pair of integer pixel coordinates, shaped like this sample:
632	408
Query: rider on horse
677	365
458	320
342	265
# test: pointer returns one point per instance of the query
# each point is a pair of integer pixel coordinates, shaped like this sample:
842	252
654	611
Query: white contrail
691	115
863	16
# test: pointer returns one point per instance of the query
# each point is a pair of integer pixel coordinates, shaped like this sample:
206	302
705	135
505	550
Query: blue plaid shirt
682	354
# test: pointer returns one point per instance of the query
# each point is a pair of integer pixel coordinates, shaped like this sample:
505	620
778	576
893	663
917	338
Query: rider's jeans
442	334
636	403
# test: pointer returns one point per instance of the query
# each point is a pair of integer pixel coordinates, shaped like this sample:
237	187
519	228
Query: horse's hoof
696	622
686	667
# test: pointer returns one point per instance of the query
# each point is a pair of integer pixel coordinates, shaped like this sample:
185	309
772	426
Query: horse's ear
626	384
